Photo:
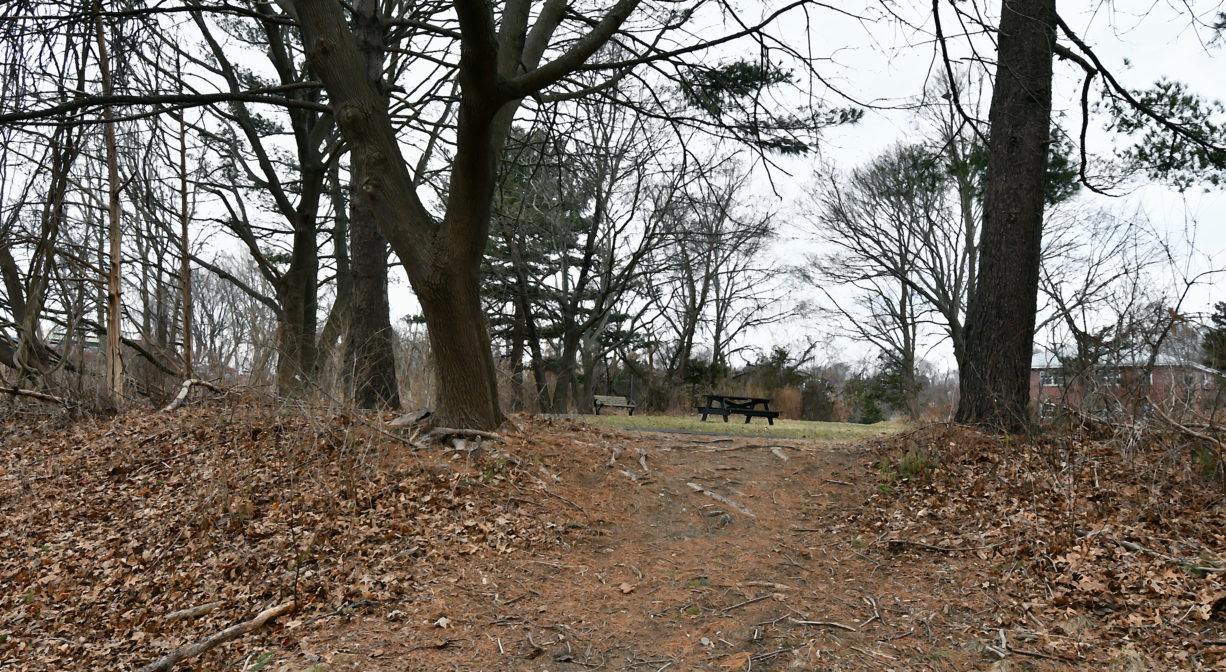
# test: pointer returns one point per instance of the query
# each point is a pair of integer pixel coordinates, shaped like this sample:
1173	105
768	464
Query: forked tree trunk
995	382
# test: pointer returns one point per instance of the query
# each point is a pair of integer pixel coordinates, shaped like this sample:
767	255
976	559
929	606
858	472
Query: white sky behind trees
888	64
883	53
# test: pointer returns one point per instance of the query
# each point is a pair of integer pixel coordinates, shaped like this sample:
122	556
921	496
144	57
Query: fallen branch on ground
193	612
171	659
940	549
441	434
18	392
738	605
1137	548
1184	428
721	499
824	624
187	387
554	494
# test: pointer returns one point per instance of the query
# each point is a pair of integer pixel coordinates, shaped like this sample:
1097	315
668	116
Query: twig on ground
171	659
769	654
1039	654
1137	548
767	584
193	612
720	498
824	624
746	602
547	491
940	549
876	613
441	434
874	653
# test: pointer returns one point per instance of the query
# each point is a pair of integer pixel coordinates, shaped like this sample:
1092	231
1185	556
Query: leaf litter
942	549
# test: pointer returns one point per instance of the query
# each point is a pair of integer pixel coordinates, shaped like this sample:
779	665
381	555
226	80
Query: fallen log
187	387
174	657
18	392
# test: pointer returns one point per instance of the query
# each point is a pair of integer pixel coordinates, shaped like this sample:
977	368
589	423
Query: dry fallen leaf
443	622
626	588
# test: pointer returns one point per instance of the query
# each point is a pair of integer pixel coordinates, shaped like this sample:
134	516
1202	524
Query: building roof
1048	359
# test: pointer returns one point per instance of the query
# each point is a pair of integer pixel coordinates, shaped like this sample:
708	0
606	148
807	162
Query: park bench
725	405
608	401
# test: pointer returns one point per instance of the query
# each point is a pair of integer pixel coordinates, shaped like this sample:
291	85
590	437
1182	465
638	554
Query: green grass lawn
792	429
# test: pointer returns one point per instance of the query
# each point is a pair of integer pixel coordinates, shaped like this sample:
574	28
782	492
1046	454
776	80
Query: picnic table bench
600	401
750	407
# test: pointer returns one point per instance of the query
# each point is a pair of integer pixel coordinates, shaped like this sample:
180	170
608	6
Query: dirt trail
722	554
568	547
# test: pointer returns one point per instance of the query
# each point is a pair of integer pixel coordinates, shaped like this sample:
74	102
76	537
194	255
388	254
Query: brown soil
569	547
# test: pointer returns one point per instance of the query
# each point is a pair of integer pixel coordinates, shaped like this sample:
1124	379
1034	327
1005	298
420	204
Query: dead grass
793	429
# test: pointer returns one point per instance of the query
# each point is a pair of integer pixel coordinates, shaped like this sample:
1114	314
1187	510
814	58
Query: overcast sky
888	62
876	58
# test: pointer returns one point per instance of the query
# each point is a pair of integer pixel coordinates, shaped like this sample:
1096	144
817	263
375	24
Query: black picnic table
750	407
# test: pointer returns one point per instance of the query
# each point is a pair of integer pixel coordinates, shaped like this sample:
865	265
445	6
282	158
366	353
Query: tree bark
370	360
185	266
1001	313
466	385
114	303
299	299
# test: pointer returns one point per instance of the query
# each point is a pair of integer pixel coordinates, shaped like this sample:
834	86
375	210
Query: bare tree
713	280
500	63
900	246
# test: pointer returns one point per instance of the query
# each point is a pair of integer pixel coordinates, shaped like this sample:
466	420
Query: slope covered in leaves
568	547
1087	556
112	526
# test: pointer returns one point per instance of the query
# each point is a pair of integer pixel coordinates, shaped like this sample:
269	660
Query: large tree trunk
299	299
185	267
519	332
466	384
114	301
370	360
1001	314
